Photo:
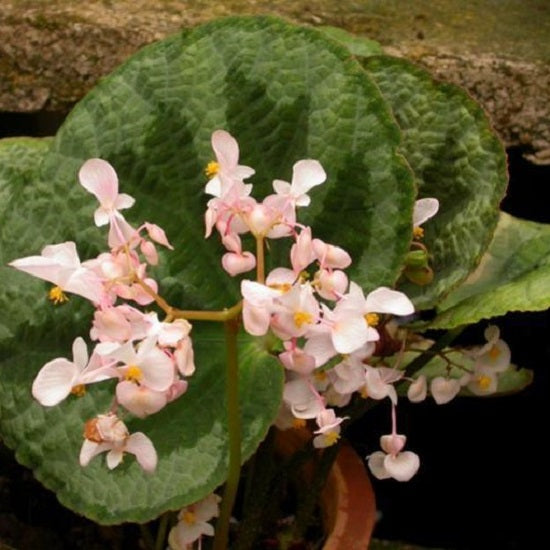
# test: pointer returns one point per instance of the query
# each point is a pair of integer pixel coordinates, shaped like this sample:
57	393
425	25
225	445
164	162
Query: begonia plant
249	226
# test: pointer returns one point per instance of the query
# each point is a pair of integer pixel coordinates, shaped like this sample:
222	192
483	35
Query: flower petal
54	382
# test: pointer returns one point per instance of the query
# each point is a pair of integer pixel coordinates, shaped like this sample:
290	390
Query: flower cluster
328	327
149	358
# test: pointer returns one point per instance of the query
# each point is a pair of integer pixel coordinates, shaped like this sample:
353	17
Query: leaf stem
161	533
234	428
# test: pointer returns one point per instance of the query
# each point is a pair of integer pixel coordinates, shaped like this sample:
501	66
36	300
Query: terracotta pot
347	501
348	504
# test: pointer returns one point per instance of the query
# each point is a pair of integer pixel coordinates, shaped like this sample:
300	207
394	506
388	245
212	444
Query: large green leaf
514	275
456	157
190	435
285	93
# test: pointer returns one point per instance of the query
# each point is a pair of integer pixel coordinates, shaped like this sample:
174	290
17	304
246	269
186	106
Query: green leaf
456	157
22	202
286	93
357	45
190	434
514	275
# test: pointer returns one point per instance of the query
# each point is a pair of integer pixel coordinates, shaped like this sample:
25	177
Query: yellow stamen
363	392
79	390
189	517
304	276
301	317
298	423
57	296
283	287
212	168
133	374
494	353
372	319
484	382
320	376
331	438
418	233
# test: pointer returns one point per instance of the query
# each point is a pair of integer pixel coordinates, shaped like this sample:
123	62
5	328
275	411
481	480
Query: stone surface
53	51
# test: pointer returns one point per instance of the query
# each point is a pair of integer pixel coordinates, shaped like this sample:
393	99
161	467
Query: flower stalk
234	428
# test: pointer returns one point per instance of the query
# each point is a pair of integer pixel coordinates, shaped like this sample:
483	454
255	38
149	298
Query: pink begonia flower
379	382
149	366
98	177
330	256
306	174
184	357
444	389
258	299
495	354
301	252
59	264
348	376
329	429
227	170
107	433
491	359
331	284
140	400
193	523
236	261
295	359
120	324
295	312
418	390
302	398
167	334
60	377
392	462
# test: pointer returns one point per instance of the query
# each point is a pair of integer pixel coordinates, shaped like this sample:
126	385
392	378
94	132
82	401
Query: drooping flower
392	461
107	433
193	523
329	429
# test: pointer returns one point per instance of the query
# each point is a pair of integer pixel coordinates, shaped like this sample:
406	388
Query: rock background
53	51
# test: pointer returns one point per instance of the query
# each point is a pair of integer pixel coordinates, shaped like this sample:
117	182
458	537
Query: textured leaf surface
456	157
190	434
514	275
20	159
286	93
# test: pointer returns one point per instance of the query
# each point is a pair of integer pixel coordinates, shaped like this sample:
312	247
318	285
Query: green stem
234	428
428	355
161	533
